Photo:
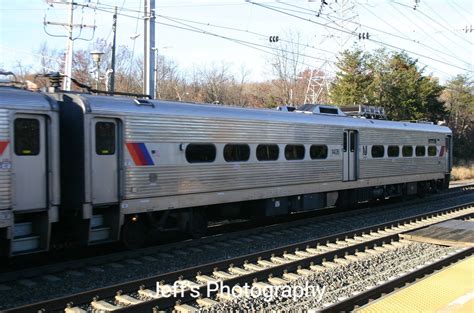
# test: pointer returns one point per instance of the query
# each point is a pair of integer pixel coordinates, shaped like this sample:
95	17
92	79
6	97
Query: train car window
407	151
200	153
432	150
353	141
344	146
420	151
294	152
267	152
236	152
105	138
27	136
393	151
318	152
378	151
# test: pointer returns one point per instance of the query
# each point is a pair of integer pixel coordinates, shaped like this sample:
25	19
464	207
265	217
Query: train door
29	162
349	152
104	160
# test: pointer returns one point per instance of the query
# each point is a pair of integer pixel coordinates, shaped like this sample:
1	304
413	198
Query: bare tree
286	65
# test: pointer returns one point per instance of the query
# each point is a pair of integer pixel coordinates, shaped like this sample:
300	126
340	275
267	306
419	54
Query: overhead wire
401	36
425	32
435	21
455	6
245	31
394	47
253	45
244	42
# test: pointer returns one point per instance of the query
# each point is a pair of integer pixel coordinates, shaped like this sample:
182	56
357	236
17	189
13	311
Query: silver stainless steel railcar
131	166
29	170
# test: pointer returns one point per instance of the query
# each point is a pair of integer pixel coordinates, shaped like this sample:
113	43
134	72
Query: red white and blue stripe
3	146
139	154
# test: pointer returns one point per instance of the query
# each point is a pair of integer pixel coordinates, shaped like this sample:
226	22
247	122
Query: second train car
95	169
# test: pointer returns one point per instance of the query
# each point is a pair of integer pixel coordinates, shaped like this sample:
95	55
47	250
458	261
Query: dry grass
463	170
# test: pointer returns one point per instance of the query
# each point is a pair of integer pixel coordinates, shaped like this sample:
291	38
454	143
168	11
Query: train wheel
197	225
133	234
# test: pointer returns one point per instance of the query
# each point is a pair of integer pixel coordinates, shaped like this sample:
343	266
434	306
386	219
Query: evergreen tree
389	80
352	80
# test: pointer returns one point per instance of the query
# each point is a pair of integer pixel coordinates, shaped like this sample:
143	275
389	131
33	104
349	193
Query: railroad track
274	267
36	284
296	221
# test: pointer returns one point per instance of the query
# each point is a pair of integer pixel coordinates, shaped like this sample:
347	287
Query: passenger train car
95	169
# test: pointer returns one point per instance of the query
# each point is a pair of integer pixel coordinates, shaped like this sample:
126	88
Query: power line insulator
273	38
364	36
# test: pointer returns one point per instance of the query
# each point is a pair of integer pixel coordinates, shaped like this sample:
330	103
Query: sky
197	33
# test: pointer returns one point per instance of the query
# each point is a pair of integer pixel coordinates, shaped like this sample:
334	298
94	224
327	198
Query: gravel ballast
88	278
343	280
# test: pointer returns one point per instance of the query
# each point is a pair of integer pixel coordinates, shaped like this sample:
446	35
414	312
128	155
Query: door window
105	138
27	136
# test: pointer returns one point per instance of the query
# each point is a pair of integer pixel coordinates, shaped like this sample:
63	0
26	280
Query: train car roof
21	99
126	106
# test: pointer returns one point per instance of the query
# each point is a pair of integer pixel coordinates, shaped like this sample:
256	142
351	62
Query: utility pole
112	77
155	71
70	26
149	62
70	49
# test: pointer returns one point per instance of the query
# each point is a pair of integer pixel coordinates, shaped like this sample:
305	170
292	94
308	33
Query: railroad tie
223	275
74	310
330	264
362	255
333	245
383	248
206	279
239	271
185	308
304	272
293	257
279	260
148	294
352	258
304	254
185	283
253	267
206	302
324	248
372	251
342	261
291	276
313	251
127	300
266	263
317	268
276	281
104	306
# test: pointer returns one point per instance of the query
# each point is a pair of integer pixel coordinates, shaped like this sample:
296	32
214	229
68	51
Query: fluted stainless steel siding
196	178
372	168
397	137
5	173
167	128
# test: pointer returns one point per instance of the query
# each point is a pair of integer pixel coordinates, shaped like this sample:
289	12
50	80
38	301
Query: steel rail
57	267
59	304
